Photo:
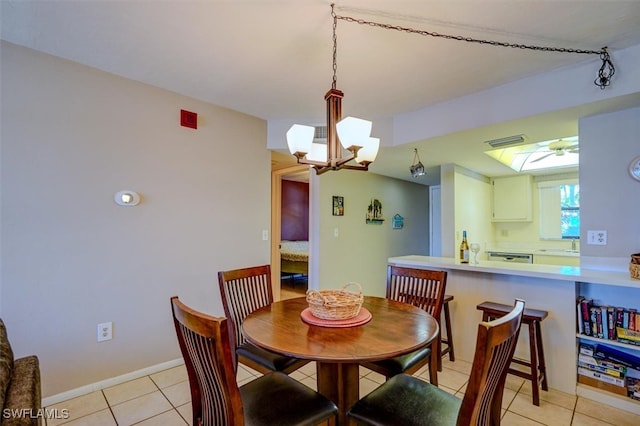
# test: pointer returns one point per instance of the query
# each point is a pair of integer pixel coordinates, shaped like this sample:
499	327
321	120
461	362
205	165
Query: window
559	209
570	210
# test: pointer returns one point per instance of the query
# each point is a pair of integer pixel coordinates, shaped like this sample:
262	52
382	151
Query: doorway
293	283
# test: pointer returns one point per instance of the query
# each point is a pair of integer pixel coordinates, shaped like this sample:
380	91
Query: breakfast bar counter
546	287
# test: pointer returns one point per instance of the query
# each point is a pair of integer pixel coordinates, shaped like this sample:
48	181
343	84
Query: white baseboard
92	387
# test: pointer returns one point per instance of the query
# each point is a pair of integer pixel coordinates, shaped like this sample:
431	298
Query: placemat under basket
335	304
634	266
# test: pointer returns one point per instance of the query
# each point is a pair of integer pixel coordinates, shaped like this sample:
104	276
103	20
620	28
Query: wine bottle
464	248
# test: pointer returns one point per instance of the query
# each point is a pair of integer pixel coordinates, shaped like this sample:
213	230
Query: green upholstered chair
422	288
408	401
244	291
272	399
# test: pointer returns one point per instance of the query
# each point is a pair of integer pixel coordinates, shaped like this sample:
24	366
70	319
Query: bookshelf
604	296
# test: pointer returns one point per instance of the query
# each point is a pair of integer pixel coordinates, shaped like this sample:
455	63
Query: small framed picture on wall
338	205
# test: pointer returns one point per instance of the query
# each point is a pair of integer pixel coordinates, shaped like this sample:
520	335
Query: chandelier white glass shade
367	154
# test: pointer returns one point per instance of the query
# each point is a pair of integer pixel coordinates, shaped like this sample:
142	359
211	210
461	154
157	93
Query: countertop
554	272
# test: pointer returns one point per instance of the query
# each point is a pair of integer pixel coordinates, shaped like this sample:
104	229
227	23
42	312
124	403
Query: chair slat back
244	291
495	345
420	287
206	349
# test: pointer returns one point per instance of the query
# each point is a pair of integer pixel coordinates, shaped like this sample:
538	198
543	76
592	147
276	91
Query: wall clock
634	168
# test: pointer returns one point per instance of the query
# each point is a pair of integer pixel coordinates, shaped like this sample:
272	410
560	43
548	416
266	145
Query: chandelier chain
335	48
467	39
604	74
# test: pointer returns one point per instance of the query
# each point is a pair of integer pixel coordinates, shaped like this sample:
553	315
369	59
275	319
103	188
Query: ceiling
272	59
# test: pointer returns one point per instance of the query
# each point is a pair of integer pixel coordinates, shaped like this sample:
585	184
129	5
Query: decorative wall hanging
338	205
397	222
374	212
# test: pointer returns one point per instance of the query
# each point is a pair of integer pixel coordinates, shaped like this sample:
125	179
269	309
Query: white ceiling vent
320	133
507	141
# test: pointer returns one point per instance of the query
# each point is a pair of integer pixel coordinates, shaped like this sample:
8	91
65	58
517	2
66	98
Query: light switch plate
598	238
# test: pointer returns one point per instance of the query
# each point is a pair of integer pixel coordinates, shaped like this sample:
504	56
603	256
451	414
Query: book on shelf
604	319
584	316
617	381
628	336
602	366
619	317
593	382
611	322
625	319
588	349
602	381
580	321
596	322
609	353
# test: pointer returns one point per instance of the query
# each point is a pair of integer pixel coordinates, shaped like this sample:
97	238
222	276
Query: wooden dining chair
407	400
244	291
425	289
272	399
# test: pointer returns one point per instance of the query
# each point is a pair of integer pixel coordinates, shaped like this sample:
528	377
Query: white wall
361	250
466	206
610	198
473	209
71	258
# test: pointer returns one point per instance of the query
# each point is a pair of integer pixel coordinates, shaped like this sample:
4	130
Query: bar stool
532	318
449	340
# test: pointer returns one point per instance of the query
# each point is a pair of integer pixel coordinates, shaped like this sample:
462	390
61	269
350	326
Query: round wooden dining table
394	329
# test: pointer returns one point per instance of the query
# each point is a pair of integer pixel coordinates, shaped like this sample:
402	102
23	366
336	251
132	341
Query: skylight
551	154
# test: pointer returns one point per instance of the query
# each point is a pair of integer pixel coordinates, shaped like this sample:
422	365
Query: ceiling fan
558	148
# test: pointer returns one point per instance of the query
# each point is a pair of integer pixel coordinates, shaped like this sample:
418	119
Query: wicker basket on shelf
335	304
634	266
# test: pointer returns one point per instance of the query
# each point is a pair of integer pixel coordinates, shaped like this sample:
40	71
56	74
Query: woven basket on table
335	304
634	266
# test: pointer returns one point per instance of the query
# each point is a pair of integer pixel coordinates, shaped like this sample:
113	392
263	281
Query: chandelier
352	134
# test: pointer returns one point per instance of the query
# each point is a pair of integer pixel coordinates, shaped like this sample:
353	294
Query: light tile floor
163	399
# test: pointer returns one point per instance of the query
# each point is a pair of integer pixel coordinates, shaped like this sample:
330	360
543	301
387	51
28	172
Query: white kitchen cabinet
512	199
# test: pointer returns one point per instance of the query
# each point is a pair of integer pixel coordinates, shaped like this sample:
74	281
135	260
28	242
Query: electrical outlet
598	238
105	331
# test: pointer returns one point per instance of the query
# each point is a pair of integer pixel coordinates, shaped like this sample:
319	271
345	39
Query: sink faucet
573	244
